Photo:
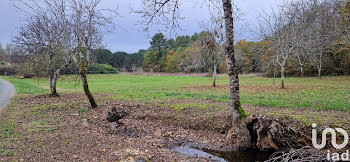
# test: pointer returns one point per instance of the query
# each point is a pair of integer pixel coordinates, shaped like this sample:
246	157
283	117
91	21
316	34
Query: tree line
302	56
120	60
301	38
305	38
309	33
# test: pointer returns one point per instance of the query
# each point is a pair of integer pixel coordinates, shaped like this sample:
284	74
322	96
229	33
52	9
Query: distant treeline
121	60
183	54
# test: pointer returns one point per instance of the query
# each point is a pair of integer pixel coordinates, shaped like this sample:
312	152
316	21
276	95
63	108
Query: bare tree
281	29
303	30
212	42
322	31
2	53
344	29
239	134
303	16
88	22
66	29
45	36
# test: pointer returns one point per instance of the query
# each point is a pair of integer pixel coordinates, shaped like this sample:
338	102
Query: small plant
6	153
80	110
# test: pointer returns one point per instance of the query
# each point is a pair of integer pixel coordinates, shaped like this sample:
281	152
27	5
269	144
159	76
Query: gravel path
6	92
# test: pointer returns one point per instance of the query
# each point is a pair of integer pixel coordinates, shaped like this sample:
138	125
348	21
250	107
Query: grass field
329	93
33	126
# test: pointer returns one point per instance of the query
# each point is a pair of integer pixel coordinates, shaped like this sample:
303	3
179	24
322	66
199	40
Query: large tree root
239	136
268	134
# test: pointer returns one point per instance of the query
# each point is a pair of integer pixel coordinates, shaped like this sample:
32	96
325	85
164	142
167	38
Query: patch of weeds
6	129
32	113
303	120
36	114
40	125
40	107
6	153
48	106
210	117
102	99
81	110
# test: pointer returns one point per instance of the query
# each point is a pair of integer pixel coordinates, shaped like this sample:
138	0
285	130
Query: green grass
40	125
329	93
6	133
6	128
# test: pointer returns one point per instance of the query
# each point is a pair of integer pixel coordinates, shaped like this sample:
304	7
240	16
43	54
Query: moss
241	111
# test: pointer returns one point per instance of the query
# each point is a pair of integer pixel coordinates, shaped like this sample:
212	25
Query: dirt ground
64	129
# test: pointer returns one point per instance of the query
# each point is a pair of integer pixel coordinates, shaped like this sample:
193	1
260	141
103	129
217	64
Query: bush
102	69
70	69
26	70
8	70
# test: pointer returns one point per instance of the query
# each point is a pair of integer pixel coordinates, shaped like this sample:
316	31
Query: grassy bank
329	93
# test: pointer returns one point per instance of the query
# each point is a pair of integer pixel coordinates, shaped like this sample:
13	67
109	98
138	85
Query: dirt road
6	92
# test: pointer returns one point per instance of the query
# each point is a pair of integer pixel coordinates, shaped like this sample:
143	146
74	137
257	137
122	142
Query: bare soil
64	129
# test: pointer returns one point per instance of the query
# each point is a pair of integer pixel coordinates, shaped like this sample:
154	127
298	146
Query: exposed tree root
114	115
269	134
239	136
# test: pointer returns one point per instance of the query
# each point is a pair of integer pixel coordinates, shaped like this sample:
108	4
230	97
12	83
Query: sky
129	36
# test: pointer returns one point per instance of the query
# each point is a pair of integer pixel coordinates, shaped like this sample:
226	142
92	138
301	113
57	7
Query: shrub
70	69
102	69
8	70
25	70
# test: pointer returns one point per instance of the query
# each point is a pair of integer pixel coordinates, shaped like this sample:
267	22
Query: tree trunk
214	75
238	135
302	70
53	80
319	67
274	74
52	89
86	89
319	72
53	83
54	77
282	78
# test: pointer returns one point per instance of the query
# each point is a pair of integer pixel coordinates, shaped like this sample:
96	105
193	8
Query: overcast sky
129	37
